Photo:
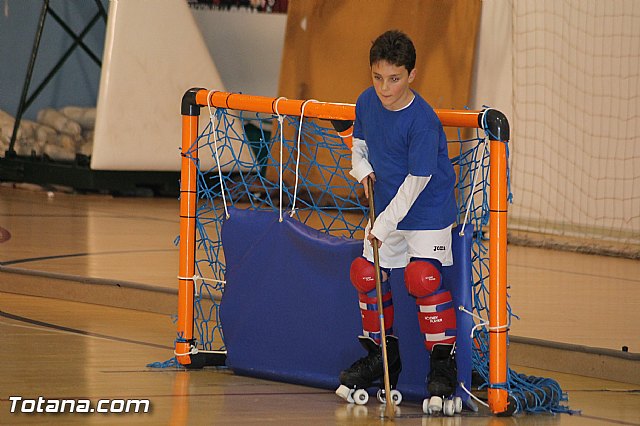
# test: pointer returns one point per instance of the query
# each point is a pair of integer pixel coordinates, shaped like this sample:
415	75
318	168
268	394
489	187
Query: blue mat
289	312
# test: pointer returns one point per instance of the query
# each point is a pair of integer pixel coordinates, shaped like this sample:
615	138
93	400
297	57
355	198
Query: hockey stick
389	408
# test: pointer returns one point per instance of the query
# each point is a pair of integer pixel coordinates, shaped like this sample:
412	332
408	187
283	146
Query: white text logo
44	405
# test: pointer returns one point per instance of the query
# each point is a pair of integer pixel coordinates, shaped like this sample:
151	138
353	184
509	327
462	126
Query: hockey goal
291	158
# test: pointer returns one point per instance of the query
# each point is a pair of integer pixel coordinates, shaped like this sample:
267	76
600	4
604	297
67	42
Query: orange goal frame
491	120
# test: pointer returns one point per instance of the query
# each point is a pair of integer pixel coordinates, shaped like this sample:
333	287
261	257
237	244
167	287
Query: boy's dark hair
394	47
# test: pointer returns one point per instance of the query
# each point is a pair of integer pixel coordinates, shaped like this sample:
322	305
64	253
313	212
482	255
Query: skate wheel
457	402
432	405
360	397
396	396
345	393
448	408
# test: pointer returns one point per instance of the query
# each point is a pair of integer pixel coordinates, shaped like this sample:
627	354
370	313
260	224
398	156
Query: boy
399	143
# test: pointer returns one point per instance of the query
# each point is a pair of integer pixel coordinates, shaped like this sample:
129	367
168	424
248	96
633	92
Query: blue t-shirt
409	141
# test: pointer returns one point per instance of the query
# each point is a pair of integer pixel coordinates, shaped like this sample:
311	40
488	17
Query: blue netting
322	195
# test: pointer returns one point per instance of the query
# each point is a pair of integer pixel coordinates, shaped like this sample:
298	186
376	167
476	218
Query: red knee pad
437	319
421	278
363	275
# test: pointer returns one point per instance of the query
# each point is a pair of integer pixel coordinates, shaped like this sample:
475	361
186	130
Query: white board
154	52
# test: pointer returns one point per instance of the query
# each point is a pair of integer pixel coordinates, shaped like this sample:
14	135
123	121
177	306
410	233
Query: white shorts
401	246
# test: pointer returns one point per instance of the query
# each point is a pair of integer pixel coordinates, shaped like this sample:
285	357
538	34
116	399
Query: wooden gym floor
87	290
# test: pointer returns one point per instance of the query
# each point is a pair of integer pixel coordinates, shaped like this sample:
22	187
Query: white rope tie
478	172
281	186
212	120
482	323
295	187
197	278
192	351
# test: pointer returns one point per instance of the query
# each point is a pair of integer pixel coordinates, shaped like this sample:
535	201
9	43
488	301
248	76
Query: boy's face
391	83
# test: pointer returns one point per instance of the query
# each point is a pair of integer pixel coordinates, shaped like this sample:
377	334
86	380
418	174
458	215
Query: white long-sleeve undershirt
360	166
